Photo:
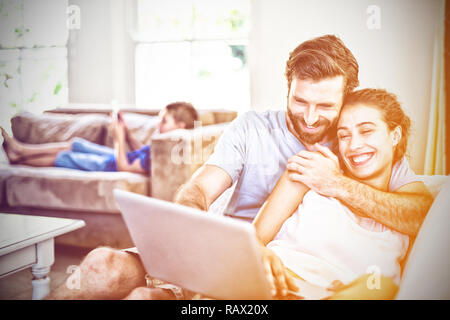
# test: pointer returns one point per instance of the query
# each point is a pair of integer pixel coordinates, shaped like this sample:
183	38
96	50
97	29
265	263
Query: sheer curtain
435	157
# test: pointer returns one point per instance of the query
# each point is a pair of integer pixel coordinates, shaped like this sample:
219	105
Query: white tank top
324	241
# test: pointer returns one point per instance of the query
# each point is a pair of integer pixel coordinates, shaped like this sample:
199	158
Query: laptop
206	253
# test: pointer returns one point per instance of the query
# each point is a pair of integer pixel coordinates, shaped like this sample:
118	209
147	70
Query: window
192	51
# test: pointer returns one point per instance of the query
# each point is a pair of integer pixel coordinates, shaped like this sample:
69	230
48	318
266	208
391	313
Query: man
253	153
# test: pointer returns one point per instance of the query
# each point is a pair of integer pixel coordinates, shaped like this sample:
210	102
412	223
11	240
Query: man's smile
311	129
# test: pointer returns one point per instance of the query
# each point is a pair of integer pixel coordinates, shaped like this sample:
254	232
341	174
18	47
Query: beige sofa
427	272
83	195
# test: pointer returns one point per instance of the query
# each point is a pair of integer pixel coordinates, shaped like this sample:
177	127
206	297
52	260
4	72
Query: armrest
177	155
427	272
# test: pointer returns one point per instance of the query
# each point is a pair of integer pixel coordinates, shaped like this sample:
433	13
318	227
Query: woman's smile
360	159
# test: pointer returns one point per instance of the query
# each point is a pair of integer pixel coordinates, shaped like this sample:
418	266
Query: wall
397	57
101	54
33	57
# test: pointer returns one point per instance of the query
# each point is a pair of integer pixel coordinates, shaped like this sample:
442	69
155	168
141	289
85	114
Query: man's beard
328	128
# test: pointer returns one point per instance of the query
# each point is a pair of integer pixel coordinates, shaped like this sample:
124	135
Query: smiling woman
391	110
372	134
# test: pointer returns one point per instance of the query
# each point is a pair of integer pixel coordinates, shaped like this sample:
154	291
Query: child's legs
83	161
85	146
44	160
25	150
53	148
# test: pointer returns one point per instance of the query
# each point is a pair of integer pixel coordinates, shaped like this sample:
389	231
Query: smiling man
254	149
309	119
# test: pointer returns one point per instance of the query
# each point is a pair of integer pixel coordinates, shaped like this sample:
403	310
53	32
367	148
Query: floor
18	286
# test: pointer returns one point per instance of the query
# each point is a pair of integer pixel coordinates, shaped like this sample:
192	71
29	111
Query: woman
81	154
323	241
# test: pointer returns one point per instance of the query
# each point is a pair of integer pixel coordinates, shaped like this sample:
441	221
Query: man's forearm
403	212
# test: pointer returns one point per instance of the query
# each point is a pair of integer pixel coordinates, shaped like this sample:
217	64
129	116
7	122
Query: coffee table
28	241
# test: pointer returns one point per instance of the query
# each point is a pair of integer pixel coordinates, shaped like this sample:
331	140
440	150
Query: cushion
206	117
4	175
434	183
30	128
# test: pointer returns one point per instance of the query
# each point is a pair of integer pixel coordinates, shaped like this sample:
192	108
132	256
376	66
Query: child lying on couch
81	154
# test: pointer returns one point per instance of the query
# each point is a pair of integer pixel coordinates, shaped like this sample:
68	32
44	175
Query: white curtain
435	157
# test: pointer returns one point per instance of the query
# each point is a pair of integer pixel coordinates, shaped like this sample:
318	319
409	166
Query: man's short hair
183	112
320	58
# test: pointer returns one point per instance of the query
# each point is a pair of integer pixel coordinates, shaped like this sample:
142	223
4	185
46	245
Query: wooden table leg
45	252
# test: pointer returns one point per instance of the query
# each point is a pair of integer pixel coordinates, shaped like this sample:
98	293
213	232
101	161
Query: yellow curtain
435	157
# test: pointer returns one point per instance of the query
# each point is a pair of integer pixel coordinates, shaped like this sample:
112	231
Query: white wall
101	54
397	57
33	57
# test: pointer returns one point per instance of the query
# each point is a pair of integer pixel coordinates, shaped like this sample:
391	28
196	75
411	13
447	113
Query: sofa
68	193
426	274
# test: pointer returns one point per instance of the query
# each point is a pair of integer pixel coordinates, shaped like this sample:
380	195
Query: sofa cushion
60	188
31	128
434	183
4	175
209	117
206	117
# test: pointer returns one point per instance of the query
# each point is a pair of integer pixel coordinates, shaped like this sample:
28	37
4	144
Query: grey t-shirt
254	150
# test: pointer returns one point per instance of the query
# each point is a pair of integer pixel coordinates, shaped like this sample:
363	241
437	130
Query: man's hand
280	281
320	170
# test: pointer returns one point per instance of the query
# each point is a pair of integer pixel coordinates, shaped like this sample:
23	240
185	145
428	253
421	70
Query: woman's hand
279	280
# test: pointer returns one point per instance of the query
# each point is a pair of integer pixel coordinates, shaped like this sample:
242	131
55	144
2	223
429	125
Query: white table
27	241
